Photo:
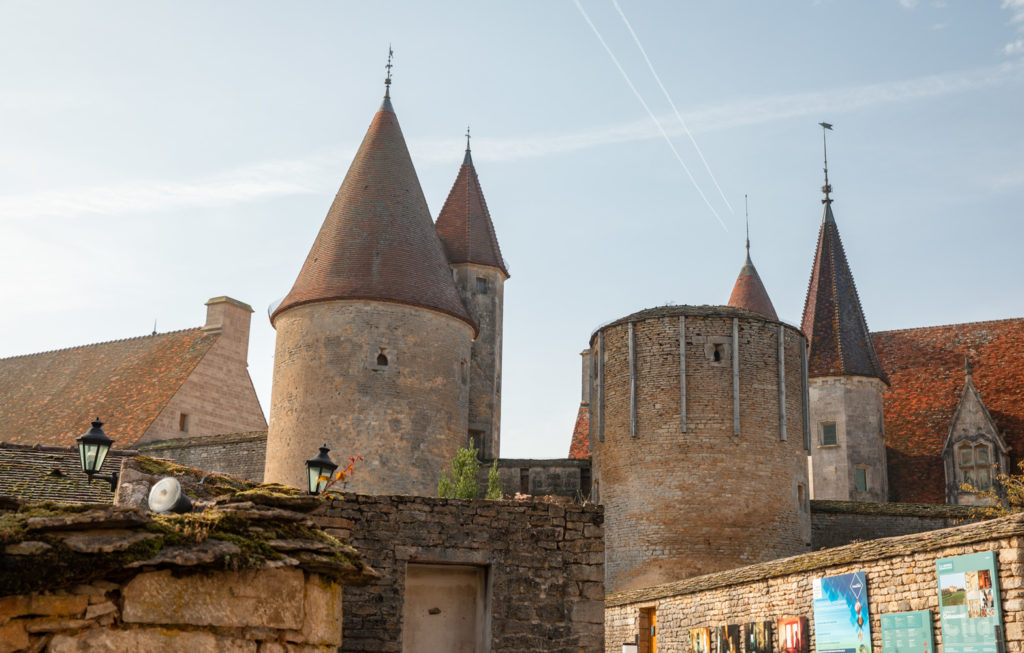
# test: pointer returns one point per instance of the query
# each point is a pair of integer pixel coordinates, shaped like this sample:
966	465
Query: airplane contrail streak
668	97
654	118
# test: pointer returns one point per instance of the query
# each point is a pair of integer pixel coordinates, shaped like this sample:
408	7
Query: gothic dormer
974	451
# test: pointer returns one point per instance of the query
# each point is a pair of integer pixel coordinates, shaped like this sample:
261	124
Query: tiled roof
749	292
925	368
53	474
378	240
49	398
464	224
833	318
579	449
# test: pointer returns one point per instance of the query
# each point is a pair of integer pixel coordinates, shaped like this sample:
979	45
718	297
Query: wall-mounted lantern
319	471
93	447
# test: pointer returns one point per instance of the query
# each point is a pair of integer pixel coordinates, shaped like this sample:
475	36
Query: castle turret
749	292
471	246
846	380
373	341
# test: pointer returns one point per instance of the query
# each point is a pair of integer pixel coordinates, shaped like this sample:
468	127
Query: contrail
649	112
668	97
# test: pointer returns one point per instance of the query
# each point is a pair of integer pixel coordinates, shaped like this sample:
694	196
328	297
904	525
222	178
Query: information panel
908	632
841	621
969	603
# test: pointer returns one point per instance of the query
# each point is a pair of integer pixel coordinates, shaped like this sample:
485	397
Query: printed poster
908	632
793	633
759	637
726	639
969	603
841	620
700	640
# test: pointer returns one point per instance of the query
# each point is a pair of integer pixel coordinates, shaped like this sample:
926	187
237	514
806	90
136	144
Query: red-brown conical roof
833	318
464	224
749	292
378	241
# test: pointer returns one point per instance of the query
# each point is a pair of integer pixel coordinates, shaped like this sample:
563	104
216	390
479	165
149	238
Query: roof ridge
107	342
950	324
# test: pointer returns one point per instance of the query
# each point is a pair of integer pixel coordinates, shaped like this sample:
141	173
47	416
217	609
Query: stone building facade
698	436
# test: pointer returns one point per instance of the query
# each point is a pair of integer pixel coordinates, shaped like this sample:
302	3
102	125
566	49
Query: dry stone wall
835	523
900	573
544	565
238	454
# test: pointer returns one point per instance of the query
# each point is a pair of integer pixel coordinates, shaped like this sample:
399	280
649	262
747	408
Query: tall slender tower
846	380
471	245
373	341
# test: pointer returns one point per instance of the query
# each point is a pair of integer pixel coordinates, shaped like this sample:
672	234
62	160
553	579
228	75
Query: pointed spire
749	291
833	319
378	241
464	223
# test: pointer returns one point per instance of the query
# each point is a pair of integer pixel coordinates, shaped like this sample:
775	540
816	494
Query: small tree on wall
460	481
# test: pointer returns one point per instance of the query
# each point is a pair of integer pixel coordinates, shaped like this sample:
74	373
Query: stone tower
373	341
846	379
698	442
467	233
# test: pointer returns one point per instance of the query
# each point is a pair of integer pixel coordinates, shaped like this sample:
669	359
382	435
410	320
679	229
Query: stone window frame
835	434
373	358
721	344
183	422
858	472
973	447
482	286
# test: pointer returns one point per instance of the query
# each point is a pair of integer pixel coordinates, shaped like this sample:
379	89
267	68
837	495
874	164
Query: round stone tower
373	341
698	435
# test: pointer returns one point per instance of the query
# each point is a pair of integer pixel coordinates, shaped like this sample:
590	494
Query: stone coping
202	440
927	510
887	547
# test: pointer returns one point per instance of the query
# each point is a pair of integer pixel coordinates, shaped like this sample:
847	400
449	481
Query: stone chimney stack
231	319
585	356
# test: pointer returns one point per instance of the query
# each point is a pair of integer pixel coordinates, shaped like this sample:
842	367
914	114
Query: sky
155	155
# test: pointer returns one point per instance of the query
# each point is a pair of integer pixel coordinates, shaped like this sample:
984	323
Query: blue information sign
908	632
969	603
841	621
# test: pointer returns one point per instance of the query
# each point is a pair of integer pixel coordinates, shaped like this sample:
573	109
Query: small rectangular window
828	434
481	285
183	422
862	479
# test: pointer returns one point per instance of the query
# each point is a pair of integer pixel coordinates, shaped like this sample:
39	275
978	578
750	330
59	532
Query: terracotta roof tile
833	318
579	449
378	241
49	398
925	368
464	224
749	292
53	474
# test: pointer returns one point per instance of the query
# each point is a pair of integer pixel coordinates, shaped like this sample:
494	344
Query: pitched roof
464	224
53	474
925	368
833	318
579	448
378	241
49	398
749	292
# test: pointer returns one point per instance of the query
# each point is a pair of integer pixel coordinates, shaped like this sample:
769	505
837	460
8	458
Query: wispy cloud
908	4
322	171
1016	8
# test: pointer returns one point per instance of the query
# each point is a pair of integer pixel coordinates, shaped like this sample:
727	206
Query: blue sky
157	154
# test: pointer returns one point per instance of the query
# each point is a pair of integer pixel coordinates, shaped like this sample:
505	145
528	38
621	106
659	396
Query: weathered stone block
148	640
13	637
322	613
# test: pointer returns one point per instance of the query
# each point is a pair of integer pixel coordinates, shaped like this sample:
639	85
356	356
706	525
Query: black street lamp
319	471
93	447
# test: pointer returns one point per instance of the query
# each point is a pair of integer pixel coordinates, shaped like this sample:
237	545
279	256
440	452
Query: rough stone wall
900	576
563	477
680	504
236	454
486	309
854	404
263	611
218	396
406	418
836	523
543	562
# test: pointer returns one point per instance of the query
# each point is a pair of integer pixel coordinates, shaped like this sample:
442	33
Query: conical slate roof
749	292
464	224
833	318
378	241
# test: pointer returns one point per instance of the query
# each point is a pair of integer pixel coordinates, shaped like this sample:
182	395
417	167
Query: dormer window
975	466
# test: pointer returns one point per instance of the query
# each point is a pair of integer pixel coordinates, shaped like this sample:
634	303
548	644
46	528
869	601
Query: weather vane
827	188
387	80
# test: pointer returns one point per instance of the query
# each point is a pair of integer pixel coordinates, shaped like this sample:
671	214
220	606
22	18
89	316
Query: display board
841	620
726	639
700	640
969	603
759	637
793	633
908	632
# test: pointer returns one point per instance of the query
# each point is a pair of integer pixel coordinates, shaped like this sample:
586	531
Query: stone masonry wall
563	477
544	566
900	576
835	523
236	454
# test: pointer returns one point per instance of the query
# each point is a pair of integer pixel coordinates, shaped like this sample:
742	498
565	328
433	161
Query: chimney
585	399
230	318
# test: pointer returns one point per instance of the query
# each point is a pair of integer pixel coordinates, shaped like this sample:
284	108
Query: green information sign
969	603
908	632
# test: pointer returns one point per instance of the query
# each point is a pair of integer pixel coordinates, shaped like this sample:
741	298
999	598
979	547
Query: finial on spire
467	138
967	366
827	188
746	212
387	80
